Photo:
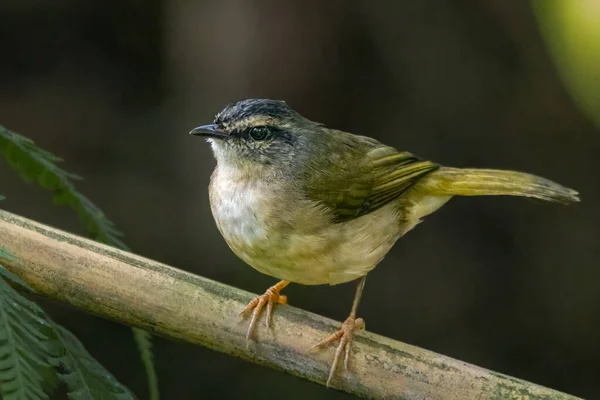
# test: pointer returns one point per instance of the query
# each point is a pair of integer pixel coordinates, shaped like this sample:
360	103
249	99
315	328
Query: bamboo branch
143	293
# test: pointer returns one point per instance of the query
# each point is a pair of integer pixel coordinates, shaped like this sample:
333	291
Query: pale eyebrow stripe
254	120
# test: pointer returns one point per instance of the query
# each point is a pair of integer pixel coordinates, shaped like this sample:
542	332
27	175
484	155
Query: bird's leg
270	297
346	334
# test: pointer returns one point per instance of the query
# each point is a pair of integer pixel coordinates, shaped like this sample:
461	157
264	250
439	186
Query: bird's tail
490	182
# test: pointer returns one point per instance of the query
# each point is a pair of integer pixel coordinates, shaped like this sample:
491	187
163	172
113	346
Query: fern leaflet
85	377
25	337
35	164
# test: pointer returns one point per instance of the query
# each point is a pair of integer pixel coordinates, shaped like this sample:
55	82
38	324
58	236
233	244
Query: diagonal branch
143	293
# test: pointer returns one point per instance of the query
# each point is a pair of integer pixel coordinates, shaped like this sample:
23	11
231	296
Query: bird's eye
259	132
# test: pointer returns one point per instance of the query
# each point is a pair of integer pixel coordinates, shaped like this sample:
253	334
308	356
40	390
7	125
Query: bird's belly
331	254
339	253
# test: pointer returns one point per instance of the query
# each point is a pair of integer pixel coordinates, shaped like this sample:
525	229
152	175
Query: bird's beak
211	131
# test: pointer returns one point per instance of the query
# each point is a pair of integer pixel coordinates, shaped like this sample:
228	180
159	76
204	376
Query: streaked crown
253	112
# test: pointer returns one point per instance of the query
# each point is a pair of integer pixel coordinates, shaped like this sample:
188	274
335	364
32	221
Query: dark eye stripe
257	133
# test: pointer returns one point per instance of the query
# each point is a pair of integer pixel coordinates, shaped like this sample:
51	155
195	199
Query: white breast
235	206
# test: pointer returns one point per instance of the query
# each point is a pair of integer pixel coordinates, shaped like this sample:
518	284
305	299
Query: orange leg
346	334
270	298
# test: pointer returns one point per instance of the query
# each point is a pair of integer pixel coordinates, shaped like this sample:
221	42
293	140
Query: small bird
307	204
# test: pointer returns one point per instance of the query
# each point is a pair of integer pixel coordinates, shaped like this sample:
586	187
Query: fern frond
84	376
35	164
25	338
33	348
144	343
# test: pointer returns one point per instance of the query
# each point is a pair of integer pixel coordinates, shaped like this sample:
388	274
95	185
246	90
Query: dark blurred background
508	284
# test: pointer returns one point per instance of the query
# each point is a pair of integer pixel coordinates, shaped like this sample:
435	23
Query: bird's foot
345	335
270	298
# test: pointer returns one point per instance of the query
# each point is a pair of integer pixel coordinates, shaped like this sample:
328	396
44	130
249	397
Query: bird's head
257	132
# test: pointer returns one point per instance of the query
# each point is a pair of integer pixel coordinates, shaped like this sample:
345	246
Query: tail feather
490	182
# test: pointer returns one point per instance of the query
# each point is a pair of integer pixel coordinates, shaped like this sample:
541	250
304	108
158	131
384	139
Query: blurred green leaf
571	30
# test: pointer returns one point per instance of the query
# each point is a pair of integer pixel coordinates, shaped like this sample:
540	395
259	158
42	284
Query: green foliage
35	164
572	35
9	275
24	350
84	376
35	353
144	343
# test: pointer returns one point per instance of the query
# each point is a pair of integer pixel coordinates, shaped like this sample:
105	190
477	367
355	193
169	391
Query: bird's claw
269	298
345	335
